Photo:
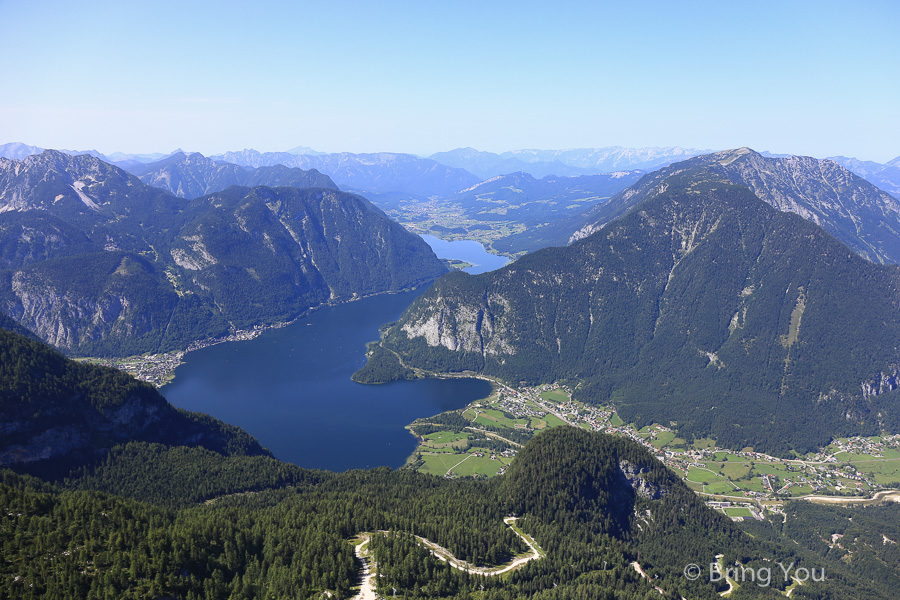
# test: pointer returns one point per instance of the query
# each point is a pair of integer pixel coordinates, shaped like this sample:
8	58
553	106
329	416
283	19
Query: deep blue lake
291	388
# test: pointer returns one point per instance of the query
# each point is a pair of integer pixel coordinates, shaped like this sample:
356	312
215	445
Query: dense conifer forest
291	536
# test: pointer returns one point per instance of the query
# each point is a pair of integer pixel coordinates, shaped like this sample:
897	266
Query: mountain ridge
562	163
379	173
194	175
853	210
97	262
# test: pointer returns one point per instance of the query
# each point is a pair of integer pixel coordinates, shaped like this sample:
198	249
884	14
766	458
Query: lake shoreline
158	369
292	389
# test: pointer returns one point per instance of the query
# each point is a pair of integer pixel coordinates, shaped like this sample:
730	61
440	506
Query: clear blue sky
817	78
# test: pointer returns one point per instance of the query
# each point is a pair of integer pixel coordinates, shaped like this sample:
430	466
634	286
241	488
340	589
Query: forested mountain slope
150	501
703	307
96	262
595	505
56	414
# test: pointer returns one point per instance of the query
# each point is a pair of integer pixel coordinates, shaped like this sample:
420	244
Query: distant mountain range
96	262
368	173
702	306
18	150
579	161
886	176
194	175
399	173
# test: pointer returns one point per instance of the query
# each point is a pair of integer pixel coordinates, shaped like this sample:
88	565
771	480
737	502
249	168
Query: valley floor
741	484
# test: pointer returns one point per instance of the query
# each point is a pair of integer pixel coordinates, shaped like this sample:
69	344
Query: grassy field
703	444
775	469
720	487
663	438
697	487
702	475
728	456
447	441
884	472
553	421
738	511
734	471
496	417
851	457
438	464
556	396
722	473
480	465
801	490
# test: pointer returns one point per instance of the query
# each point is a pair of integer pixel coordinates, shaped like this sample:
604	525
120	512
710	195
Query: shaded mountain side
194	175
545	235
98	263
704	307
56	414
9	324
33	236
848	207
181	476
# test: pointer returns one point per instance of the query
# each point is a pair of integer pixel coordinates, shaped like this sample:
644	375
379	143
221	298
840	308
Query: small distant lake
468	250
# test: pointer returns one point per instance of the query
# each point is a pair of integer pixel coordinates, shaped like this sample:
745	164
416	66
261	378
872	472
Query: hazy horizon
806	78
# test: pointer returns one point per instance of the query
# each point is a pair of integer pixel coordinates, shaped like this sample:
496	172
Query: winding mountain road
367	587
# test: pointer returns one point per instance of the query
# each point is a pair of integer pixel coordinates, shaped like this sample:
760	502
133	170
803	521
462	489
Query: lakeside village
159	369
741	484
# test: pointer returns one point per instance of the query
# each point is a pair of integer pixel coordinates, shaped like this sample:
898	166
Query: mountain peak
726	157
847	206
